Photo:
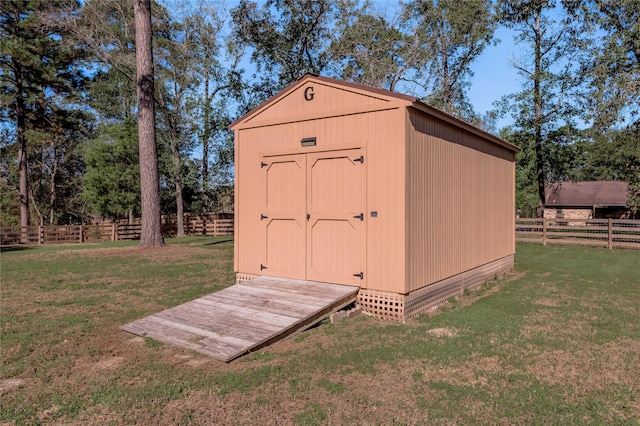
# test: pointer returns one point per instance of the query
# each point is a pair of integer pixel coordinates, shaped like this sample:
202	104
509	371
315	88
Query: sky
494	76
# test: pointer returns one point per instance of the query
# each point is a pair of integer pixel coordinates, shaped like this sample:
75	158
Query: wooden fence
10	235
608	233
592	232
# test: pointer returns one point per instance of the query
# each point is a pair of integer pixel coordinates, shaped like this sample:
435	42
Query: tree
566	157
106	28
40	84
175	80
151	233
452	34
613	65
287	39
220	86
370	49
56	165
111	184
551	82
615	155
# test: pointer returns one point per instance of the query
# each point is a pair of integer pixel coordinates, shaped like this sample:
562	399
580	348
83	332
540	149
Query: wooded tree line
69	120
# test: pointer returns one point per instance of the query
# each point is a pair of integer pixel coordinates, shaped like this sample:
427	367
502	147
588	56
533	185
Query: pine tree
151	233
40	85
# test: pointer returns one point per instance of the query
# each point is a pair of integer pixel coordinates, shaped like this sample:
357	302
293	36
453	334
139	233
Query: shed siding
386	196
325	98
460	201
380	136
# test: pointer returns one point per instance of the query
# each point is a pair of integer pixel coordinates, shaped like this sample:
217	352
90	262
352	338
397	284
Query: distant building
586	200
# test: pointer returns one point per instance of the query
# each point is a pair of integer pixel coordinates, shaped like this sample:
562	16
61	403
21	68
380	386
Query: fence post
114	232
40	234
81	234
610	230
544	231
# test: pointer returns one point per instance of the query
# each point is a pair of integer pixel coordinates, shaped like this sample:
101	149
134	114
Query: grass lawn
558	343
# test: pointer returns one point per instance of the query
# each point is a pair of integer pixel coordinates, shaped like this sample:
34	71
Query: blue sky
494	76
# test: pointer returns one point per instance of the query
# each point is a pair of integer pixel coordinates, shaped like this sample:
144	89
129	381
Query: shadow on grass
219	242
14	248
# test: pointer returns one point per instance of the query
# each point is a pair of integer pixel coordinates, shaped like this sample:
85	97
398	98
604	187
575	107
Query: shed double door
314	216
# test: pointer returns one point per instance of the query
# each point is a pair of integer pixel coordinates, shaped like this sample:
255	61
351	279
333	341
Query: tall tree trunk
205	135
445	81
22	157
52	191
537	104
151	233
177	163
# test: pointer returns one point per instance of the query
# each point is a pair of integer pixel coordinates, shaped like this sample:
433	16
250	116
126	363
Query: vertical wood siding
460	201
325	98
380	136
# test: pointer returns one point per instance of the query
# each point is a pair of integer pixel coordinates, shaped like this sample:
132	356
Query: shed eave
436	113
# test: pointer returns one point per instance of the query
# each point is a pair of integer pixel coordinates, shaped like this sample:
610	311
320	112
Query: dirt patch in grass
442	332
165	253
10	384
169	252
594	368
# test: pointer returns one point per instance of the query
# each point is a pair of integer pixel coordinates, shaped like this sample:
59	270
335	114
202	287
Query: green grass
559	344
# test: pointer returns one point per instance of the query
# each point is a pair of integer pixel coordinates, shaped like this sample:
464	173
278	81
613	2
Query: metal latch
360	275
263	217
360	216
262	267
359	160
263	164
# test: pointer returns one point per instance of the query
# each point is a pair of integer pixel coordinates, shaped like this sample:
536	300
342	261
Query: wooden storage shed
343	183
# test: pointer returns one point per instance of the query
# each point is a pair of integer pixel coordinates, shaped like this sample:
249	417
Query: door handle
360	216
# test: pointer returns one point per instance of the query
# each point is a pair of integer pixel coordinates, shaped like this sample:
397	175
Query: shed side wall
460	201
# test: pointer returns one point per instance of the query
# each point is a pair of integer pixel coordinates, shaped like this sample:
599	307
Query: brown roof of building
587	194
417	103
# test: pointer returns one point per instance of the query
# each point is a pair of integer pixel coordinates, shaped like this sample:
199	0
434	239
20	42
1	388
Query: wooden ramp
245	317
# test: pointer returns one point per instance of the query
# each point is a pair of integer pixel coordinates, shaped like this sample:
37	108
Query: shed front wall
379	137
460	201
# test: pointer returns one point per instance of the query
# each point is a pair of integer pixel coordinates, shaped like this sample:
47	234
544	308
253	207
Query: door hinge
263	217
359	160
263	164
360	275
262	267
360	216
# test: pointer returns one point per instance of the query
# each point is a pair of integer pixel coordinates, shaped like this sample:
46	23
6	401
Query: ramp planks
245	317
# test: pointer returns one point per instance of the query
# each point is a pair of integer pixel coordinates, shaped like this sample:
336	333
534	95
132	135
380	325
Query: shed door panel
285	220
336	202
314	216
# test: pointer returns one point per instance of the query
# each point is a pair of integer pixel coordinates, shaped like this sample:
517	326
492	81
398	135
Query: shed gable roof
340	97
320	96
587	194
